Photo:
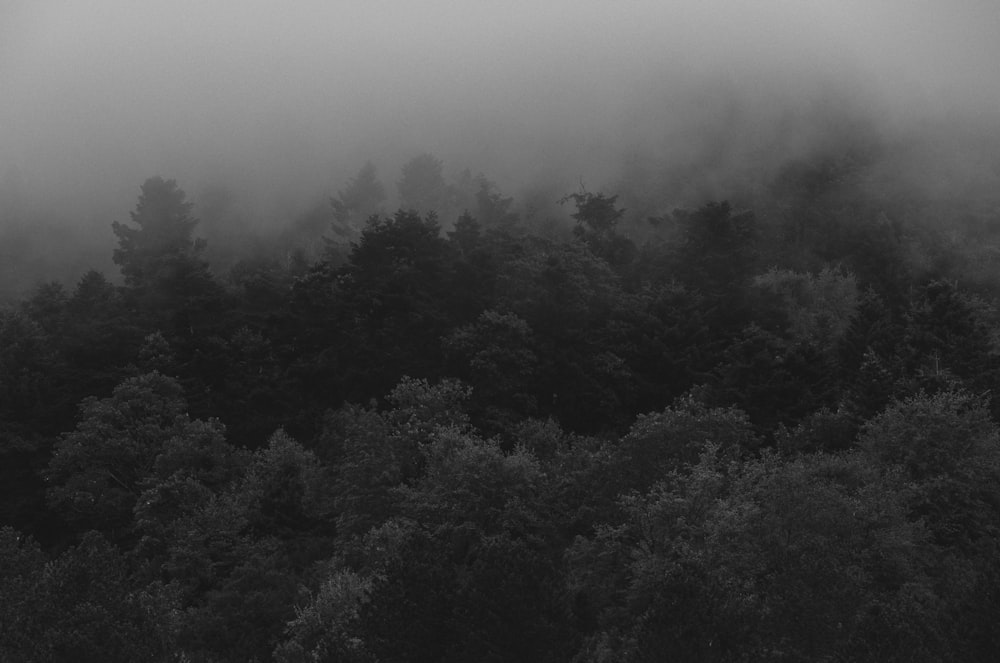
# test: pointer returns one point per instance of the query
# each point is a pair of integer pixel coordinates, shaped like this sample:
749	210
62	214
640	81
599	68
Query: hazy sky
291	97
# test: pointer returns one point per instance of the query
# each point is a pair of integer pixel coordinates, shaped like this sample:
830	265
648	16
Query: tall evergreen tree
160	259
362	198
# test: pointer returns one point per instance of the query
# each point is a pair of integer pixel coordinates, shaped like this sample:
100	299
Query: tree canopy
461	431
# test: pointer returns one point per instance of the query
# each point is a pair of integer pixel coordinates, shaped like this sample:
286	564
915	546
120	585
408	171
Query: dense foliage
746	436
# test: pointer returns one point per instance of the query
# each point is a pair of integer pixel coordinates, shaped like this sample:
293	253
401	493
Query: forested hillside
763	427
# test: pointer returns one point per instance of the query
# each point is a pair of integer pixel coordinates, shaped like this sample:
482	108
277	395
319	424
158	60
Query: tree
375	452
160	258
941	453
354	204
82	606
235	545
717	250
492	208
811	559
948	450
422	186
818	308
465	572
568	298
951	335
97	470
27	358
394	299
596	222
661	442
495	353
482	199
47	307
323	629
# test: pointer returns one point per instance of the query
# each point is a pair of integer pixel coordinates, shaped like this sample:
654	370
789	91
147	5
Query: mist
262	113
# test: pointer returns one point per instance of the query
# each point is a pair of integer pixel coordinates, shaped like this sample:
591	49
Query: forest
474	427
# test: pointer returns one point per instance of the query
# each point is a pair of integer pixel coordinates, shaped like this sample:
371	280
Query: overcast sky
96	95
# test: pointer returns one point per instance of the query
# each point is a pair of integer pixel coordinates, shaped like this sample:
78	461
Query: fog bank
277	107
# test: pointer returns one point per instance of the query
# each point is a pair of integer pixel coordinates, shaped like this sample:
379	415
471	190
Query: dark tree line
747	437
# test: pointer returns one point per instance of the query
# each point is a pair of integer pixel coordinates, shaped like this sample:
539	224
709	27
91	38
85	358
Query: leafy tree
662	442
497	358
941	453
949	337
818	309
82	606
242	384
325	629
97	469
568	296
771	380
662	332
22	564
465	573
235	551
286	490
949	447
804	560
372	452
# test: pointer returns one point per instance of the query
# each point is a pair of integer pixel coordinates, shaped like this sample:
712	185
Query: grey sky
290	96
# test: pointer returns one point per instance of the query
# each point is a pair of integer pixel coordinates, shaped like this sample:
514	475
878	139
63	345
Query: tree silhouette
160	259
422	186
362	198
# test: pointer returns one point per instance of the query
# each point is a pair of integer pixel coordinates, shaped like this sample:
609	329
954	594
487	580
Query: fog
271	108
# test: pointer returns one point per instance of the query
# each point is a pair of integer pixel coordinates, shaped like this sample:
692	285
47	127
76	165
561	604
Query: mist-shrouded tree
422	186
596	219
361	198
396	290
817	308
717	247
482	199
26	355
160	258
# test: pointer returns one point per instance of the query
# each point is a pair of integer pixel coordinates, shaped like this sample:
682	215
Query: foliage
96	469
81	606
661	442
422	187
597	218
716	251
758	436
360	200
819	308
759	560
160	258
